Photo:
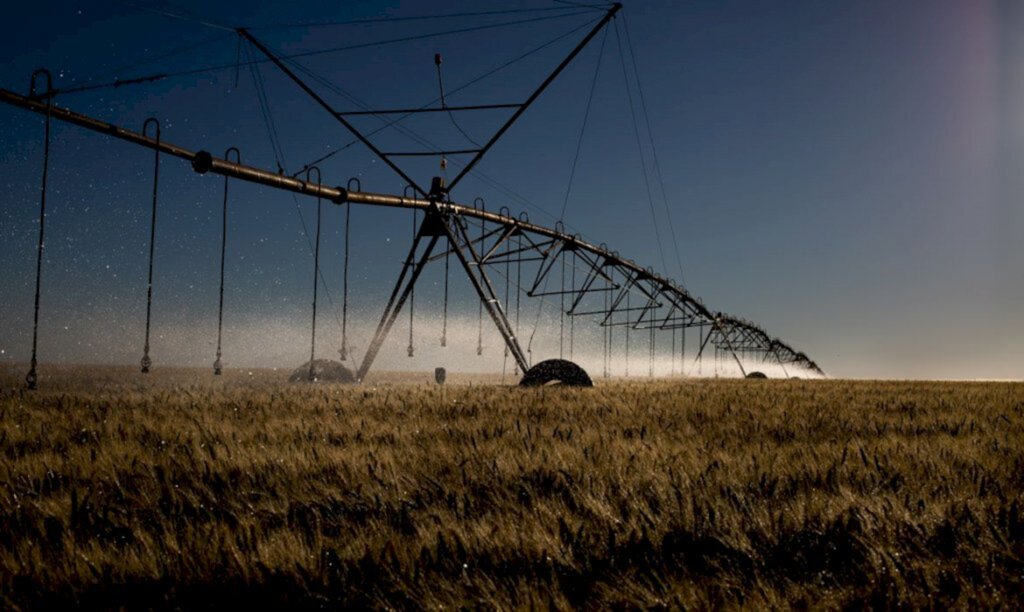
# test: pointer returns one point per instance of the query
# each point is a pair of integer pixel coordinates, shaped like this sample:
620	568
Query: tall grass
181	490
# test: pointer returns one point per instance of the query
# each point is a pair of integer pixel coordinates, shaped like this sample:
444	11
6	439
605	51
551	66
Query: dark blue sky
847	174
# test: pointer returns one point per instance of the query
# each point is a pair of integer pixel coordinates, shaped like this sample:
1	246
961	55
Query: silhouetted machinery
588	280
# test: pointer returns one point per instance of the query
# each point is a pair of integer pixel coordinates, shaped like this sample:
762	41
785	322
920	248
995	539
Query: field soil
179	489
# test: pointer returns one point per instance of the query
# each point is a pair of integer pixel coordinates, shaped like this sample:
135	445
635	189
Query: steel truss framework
604	286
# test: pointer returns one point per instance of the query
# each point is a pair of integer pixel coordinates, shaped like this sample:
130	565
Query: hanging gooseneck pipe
316	272
444	317
607	335
651	349
572	320
672	366
682	351
218	366
523	218
480	305
356	186
146	362
561	311
508	281
411	350
628	325
32	378
504	211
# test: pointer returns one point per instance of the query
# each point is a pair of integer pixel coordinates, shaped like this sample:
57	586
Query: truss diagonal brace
718	328
319	100
536	94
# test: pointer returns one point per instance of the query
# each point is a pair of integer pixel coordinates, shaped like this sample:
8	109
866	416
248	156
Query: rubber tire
560	371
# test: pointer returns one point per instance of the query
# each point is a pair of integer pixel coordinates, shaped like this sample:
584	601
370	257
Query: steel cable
411	18
281	161
583	127
234	65
640	149
654	150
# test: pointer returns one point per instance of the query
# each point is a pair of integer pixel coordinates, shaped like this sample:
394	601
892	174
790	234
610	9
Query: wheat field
179	490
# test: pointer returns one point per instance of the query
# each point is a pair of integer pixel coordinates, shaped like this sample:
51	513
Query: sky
848	175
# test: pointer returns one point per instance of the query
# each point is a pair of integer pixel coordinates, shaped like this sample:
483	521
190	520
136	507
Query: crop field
182	490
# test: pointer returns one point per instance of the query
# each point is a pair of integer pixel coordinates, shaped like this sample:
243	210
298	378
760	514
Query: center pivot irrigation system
586	280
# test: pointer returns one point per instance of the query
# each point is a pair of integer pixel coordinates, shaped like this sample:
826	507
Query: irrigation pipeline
203	162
